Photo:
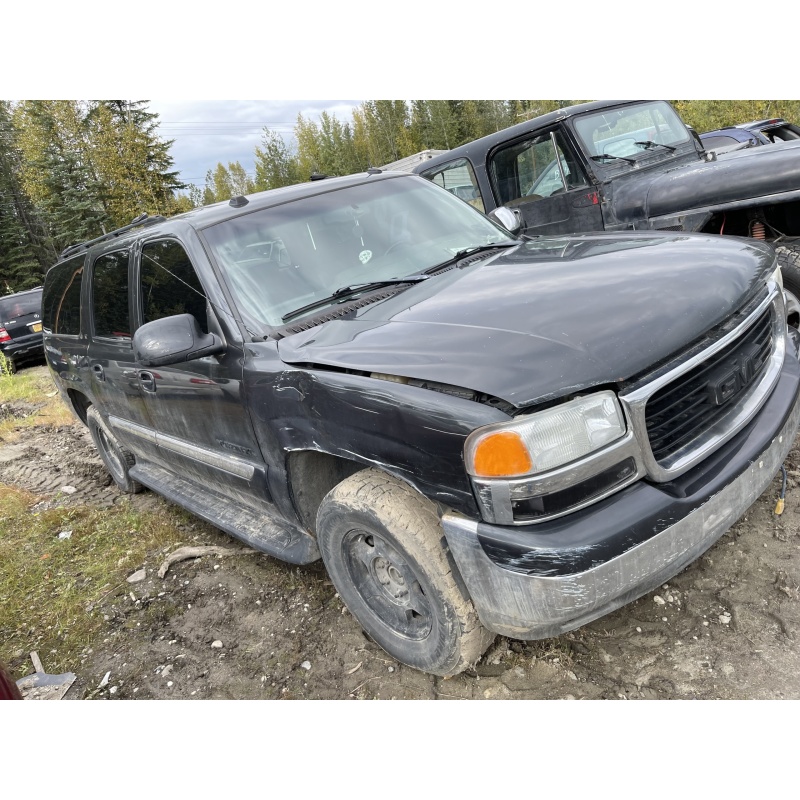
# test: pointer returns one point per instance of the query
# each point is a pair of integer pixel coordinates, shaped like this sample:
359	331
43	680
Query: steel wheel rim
387	585
114	462
792	308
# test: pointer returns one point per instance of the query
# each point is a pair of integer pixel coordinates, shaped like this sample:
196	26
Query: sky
200	70
207	132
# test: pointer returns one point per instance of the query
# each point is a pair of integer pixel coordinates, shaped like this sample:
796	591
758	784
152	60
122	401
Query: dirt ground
253	627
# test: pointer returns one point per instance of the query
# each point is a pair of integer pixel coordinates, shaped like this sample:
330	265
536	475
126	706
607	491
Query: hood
552	316
750	174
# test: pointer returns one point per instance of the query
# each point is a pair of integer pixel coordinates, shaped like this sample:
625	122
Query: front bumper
535	592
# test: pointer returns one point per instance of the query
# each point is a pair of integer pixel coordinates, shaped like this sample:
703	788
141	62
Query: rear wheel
386	555
788	255
117	458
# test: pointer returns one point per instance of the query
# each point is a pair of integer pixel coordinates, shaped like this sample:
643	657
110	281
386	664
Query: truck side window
61	303
458	178
169	284
110	296
533	169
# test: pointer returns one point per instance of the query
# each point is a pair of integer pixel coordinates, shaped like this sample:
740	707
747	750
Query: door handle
147	381
99	373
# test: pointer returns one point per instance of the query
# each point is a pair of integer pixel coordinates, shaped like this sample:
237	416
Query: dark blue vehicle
732	138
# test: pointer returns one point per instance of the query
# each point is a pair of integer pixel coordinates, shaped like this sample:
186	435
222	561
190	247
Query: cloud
206	133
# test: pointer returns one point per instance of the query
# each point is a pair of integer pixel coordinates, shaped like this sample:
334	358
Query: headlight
546	439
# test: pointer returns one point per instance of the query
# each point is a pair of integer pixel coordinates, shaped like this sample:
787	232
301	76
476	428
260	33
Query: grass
50	587
35	390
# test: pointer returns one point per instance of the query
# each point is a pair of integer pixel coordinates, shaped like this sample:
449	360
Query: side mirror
509	218
171	340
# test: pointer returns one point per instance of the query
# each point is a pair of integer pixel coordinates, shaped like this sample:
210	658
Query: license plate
36	327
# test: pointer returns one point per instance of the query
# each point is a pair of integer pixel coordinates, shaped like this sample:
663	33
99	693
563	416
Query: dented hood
741	178
550	317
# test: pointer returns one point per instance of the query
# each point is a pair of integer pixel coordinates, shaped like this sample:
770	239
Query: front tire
386	554
116	457
788	255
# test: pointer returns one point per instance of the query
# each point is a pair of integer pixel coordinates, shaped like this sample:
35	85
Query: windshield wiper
346	291
648	145
602	156
468	251
480	248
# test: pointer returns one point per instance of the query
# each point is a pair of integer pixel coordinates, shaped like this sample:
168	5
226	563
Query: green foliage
225	182
707	115
275	165
71	170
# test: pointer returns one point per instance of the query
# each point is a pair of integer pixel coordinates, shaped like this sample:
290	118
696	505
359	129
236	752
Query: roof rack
141	221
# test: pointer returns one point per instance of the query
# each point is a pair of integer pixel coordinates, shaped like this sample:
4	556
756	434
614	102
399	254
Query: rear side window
61	302
169	284
110	296
459	179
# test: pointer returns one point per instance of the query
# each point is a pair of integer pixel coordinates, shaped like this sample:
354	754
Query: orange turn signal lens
501	454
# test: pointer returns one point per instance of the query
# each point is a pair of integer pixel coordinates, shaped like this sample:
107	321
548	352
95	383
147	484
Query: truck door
540	176
197	409
111	369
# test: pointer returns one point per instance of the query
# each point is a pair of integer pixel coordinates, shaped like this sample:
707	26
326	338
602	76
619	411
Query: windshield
286	257
628	131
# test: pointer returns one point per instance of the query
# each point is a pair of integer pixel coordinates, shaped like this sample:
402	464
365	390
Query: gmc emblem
727	381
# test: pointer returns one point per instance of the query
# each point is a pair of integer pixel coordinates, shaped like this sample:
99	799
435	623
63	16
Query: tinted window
169	284
20	305
61	302
110	296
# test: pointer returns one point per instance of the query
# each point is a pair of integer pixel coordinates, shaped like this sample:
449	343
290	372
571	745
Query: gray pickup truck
630	165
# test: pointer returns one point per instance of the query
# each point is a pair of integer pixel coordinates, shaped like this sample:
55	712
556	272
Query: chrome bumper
538	607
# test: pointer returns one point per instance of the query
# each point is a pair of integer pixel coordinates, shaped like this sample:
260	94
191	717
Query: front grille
695	401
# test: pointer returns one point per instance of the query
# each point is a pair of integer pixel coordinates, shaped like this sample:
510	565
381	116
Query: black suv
633	165
21	327
477	434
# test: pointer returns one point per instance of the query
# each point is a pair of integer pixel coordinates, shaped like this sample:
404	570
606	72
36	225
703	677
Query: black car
631	165
21	327
477	434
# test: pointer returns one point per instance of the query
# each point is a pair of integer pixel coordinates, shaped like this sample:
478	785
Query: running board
255	528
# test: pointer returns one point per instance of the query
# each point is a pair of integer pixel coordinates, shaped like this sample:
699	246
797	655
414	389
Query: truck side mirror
171	340
509	218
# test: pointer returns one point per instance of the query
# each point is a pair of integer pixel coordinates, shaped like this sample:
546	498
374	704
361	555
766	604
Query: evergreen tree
25	250
57	172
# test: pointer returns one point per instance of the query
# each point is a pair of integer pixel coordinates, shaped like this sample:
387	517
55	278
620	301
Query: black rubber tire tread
788	256
128	484
373	499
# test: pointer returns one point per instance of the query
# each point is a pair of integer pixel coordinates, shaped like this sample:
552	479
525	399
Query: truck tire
386	554
788	255
117	458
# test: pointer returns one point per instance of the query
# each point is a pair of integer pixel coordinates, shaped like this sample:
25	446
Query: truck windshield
281	259
631	130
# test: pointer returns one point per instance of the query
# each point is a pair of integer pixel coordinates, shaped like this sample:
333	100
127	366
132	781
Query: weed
51	587
30	399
